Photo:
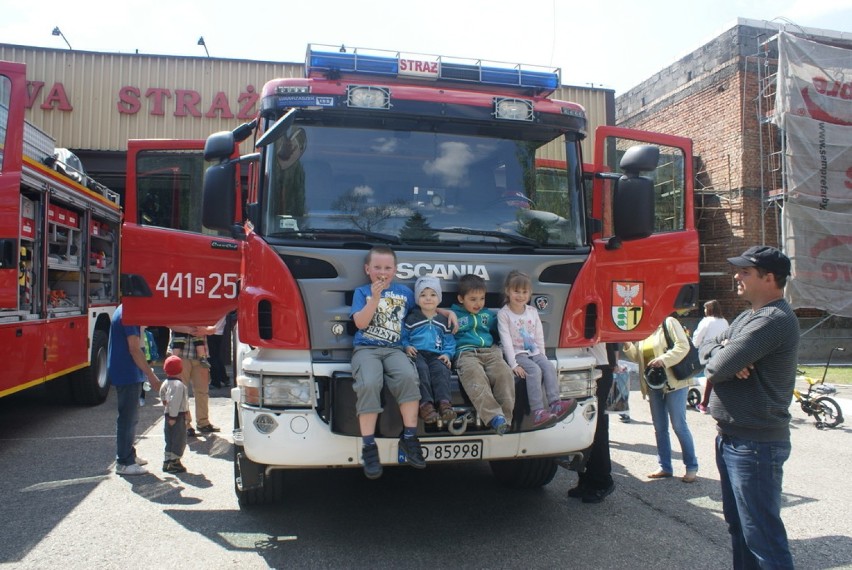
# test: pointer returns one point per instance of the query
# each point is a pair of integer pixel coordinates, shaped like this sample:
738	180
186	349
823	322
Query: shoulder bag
690	365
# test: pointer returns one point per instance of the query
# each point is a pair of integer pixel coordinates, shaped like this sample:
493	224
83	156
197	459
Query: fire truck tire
90	385
525	473
269	492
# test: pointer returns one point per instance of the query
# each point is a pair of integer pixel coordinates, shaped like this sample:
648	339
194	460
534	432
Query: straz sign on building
155	101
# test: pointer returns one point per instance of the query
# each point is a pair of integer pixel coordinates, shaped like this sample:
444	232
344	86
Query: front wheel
827	412
525	473
252	484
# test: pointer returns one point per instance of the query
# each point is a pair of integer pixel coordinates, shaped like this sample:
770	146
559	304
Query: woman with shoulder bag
666	394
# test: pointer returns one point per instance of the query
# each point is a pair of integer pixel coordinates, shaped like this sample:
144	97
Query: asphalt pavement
64	507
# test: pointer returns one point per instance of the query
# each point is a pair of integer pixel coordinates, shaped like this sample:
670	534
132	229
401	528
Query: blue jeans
125	425
672	406
751	474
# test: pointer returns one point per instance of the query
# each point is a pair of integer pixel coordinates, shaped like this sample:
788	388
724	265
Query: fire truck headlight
577	383
368	97
249	389
283	391
513	109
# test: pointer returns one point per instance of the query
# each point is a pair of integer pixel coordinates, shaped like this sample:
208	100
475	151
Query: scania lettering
59	239
444	170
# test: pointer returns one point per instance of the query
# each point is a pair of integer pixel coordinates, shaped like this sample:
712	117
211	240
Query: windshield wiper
386	238
511	238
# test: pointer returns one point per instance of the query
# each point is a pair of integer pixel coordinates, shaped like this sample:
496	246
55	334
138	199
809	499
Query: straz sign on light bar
627	301
419	68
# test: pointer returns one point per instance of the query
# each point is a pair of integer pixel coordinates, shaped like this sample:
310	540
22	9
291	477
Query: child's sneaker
370	458
413	452
204	362
543	418
563	408
448	414
428	413
498	424
173	466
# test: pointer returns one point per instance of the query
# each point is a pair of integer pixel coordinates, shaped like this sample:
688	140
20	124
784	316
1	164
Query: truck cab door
174	271
641	280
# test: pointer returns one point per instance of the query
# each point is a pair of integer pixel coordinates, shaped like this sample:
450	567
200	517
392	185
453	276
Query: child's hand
172	421
445	359
377	287
452	319
519	372
411	351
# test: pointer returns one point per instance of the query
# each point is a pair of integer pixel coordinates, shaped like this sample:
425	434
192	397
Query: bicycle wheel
827	412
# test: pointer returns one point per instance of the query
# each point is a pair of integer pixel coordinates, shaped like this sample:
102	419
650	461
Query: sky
612	44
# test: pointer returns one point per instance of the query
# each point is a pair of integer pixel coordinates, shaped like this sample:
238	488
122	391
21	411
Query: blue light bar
329	61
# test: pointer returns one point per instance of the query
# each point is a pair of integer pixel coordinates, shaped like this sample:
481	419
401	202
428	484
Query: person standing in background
595	483
196	375
215	342
712	325
666	394
127	370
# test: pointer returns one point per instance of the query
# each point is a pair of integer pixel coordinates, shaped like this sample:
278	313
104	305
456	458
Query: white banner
818	215
814	80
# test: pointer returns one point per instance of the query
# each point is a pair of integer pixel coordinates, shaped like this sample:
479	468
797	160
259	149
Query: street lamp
204	45
58	32
841	349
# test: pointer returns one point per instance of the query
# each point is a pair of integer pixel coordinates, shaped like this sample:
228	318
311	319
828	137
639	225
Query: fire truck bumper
299	439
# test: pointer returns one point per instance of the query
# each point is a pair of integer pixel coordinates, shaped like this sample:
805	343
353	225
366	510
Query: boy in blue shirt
429	341
484	374
378	310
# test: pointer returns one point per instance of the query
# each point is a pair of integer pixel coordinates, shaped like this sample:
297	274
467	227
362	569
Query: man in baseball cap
765	257
752	365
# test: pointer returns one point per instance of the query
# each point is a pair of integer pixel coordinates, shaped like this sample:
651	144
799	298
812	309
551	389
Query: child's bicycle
826	411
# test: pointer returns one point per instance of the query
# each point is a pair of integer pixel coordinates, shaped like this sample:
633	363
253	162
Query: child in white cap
428	339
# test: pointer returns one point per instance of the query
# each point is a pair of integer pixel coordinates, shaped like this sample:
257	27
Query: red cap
173	366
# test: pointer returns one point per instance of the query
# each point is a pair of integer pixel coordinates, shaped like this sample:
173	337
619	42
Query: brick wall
712	97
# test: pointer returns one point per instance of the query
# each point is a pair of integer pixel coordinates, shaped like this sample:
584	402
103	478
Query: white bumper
300	439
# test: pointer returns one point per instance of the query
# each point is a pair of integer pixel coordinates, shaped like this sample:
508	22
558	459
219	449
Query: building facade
721	96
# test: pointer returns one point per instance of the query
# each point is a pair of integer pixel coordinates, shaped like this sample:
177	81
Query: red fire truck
59	233
436	158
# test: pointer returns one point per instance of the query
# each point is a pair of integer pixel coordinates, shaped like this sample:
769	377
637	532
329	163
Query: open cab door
174	270
644	258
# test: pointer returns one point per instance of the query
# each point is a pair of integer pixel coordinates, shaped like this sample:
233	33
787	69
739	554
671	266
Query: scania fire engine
436	158
59	237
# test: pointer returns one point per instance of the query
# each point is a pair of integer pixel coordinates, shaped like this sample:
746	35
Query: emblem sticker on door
627	301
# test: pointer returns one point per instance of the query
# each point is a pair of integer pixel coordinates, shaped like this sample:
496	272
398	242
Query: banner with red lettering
814	80
817	215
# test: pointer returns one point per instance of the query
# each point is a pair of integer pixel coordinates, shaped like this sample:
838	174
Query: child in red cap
176	403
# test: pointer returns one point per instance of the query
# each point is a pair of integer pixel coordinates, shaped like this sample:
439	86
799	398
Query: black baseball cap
765	257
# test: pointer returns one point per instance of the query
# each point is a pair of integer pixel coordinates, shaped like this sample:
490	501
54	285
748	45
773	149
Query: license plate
452	450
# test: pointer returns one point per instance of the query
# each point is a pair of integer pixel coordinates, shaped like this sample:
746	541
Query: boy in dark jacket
428	340
487	379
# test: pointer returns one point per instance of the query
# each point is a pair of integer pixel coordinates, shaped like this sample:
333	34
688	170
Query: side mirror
640	158
217	212
219	146
633	197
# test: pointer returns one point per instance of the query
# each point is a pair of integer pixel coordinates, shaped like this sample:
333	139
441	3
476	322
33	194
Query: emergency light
331	62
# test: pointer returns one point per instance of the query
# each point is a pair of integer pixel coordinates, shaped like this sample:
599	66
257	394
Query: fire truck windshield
408	187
